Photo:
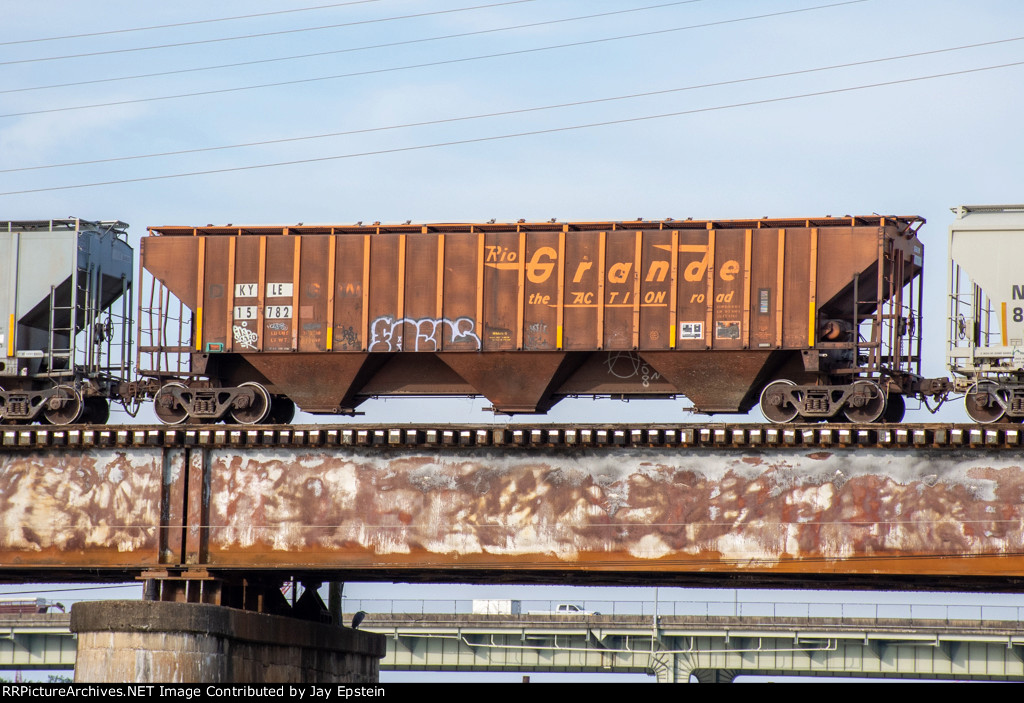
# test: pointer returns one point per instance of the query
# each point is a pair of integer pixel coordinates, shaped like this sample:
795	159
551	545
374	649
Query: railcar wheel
984	403
867	404
167	408
775	403
65	407
246	412
97	411
895	408
282	410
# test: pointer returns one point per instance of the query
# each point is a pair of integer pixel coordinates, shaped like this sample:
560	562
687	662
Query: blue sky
908	148
912	148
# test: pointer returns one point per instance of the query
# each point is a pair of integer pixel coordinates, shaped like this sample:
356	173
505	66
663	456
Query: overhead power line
186	24
516	135
386	45
518	52
517	111
267	34
39	589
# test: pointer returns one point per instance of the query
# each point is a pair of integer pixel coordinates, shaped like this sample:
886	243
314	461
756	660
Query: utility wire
70	588
518	111
186	24
350	50
515	135
444	62
266	34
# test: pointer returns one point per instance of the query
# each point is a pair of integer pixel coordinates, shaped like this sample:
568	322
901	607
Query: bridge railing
703	609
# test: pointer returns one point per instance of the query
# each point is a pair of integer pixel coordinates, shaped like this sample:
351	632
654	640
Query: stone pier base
160	642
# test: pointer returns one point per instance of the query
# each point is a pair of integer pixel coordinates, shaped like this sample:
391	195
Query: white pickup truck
565	609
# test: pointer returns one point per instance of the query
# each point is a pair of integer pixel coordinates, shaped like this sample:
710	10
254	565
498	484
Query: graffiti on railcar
424	334
245	337
347	336
630	365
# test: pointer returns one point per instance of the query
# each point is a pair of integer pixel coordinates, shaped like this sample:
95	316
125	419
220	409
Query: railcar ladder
62	354
54	354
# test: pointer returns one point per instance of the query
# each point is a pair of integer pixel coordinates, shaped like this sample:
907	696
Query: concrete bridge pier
179	642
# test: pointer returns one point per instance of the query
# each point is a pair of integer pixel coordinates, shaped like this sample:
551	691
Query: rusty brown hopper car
811	318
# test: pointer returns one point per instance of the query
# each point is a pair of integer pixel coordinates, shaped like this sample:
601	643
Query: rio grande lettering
542	264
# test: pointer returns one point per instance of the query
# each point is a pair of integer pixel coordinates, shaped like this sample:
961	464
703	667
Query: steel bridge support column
174	642
679	667
714	675
665	667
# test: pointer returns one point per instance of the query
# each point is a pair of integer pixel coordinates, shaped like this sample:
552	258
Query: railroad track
524	437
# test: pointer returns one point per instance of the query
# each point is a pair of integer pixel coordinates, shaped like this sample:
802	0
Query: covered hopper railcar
65	319
810	318
986	322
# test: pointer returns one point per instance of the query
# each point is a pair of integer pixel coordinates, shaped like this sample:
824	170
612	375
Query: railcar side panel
243	292
728	331
692	289
463	275
582	272
502	291
313	288
542	300
386	332
214	284
655	278
279	330
762	312
619	297
421	285
796	289
350	293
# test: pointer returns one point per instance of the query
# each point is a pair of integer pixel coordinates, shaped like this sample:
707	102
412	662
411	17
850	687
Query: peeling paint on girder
648	505
58	508
609	509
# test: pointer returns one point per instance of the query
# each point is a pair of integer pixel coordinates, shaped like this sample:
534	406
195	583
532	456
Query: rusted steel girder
921	515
